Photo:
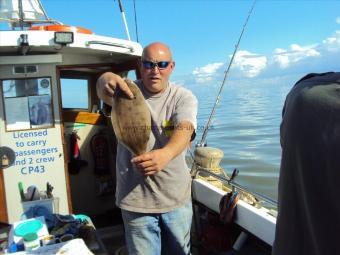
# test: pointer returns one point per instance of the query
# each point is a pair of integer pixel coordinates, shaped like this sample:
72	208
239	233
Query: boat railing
130	48
236	186
30	21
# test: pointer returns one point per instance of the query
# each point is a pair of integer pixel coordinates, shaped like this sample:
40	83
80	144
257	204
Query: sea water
246	127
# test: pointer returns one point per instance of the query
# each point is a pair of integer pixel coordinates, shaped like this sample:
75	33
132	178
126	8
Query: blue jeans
158	233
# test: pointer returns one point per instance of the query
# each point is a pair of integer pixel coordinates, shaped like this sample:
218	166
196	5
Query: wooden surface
83	117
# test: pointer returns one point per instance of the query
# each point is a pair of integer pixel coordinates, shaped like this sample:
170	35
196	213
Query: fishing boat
54	149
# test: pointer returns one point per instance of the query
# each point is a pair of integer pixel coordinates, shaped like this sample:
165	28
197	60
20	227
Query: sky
282	38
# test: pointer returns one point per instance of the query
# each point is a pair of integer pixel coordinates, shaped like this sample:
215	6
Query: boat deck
113	239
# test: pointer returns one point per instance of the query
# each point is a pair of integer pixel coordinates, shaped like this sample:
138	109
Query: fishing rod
124	19
195	170
206	128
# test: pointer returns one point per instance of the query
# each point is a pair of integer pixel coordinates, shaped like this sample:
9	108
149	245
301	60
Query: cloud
296	53
249	64
295	60
337	20
206	73
332	43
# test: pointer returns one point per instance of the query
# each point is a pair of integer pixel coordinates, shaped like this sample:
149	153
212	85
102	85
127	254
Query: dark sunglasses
151	65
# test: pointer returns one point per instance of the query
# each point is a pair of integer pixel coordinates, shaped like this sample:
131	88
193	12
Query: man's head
156	67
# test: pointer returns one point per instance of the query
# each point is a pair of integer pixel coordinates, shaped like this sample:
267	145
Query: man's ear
139	63
172	65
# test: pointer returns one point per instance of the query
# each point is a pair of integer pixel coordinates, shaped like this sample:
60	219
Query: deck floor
113	239
110	230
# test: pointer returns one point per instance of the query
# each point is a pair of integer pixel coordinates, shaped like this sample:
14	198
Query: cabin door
31	137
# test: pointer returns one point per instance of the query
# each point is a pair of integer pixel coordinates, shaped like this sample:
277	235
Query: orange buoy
61	28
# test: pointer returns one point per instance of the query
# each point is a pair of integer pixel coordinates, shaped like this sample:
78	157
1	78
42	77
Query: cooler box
50	204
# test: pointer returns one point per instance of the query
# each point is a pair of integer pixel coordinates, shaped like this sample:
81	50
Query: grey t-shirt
170	188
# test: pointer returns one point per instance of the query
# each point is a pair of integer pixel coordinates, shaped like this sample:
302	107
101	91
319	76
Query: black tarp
309	184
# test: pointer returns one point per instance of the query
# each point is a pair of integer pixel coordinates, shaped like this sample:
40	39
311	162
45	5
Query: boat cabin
51	119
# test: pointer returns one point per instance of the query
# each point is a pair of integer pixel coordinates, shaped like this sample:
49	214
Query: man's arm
106	85
154	161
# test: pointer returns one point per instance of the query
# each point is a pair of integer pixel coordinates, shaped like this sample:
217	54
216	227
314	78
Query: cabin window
28	103
75	93
132	76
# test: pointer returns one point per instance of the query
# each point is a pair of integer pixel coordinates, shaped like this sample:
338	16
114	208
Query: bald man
156	221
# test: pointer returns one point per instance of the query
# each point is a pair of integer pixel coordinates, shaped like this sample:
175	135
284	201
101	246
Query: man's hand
106	85
152	162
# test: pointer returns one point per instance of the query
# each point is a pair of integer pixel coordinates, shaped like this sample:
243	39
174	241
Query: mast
23	13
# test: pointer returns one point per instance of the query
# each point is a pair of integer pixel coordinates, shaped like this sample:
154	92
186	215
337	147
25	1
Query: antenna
136	23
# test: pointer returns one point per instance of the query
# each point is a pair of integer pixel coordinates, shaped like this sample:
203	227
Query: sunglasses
152	65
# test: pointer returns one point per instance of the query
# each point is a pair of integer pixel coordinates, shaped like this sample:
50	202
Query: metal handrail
31	21
88	43
237	186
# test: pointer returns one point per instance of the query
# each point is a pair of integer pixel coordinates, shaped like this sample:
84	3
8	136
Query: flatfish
131	119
